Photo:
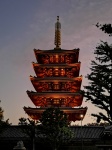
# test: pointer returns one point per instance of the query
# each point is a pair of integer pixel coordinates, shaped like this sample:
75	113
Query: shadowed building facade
94	138
57	81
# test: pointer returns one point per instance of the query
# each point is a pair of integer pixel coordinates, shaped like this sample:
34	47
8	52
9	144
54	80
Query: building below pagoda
57	82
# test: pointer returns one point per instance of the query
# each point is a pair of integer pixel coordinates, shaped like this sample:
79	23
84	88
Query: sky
29	24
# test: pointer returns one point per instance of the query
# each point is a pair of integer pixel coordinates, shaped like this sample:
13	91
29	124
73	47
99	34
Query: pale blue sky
29	24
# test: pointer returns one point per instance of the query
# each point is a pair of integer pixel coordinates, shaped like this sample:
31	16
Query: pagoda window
62	101
68	72
67	59
56	101
50	72
51	58
57	58
49	86
62	86
62	72
62	59
56	72
56	86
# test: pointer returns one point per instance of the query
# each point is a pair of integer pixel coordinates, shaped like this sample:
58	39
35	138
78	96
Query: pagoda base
74	114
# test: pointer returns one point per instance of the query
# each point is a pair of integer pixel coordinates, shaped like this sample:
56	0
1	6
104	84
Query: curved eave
56	94
43	70
43	100
39	53
74	114
42	84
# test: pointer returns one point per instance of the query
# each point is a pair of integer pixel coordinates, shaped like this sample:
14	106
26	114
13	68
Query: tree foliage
29	127
3	124
1	114
55	127
98	124
99	90
107	28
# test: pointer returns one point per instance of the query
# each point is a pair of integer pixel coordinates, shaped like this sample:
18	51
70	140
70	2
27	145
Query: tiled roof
107	134
85	132
108	128
12	132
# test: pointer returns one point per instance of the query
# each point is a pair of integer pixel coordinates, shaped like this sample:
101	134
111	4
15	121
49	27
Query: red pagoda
57	82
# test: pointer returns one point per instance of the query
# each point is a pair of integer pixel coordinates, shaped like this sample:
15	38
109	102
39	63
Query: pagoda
57	82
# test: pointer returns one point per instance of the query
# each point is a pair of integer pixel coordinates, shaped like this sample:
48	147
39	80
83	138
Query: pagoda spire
57	41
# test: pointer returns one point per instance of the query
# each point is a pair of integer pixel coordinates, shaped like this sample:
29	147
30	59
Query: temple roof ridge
55	51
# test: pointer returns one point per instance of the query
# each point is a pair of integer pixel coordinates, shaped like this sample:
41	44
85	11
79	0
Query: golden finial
57	41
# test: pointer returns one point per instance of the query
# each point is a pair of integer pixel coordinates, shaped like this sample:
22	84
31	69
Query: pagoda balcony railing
62	57
57	86
57	72
56	99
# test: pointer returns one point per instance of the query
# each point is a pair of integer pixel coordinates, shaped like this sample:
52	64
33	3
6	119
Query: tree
99	90
107	28
55	127
97	124
3	124
1	113
29	127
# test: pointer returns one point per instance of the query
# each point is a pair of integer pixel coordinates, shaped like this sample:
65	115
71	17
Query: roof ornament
57	41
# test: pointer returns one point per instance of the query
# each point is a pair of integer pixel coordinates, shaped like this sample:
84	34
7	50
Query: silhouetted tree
99	90
29	127
1	113
3	124
55	127
107	28
98	124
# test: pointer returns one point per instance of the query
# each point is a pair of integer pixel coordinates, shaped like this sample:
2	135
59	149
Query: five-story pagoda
57	82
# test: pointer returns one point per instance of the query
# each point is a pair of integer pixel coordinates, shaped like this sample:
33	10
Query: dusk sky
29	24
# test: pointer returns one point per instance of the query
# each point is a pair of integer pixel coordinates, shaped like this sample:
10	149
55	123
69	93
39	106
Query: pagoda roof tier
74	114
58	70
56	51
57	65
56	84
62	99
56	56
